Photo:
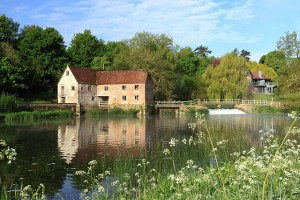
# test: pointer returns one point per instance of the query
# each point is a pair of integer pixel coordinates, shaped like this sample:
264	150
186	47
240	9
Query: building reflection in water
89	138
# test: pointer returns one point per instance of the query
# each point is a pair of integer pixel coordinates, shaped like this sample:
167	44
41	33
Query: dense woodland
32	60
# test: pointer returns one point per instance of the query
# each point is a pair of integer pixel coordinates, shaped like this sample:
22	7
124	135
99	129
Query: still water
50	152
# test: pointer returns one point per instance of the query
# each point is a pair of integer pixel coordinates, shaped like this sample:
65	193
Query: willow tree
227	80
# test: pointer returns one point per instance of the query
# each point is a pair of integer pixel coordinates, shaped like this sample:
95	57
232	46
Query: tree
83	48
202	51
289	44
235	52
8	30
276	60
227	80
42	52
11	77
244	53
155	53
186	62
289	83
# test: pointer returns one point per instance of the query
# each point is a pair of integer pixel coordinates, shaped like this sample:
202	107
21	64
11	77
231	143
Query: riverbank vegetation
112	112
25	116
8	103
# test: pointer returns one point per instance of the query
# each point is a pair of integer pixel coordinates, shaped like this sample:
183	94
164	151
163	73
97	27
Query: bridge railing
214	101
175	103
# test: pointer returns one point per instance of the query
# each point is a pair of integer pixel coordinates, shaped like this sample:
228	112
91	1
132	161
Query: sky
220	25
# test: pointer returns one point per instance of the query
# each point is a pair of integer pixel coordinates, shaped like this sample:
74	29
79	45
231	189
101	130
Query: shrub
8	103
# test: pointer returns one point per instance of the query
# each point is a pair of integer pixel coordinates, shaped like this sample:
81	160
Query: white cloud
240	11
189	22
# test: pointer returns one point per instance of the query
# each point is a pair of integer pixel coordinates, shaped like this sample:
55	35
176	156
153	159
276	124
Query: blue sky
254	25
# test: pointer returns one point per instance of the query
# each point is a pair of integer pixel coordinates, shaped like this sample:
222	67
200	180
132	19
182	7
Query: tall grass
32	116
112	112
8	103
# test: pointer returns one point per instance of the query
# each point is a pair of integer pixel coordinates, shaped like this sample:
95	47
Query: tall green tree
11	76
289	83
227	80
187	62
84	47
202	51
276	60
246	54
289	44
42	52
9	30
155	53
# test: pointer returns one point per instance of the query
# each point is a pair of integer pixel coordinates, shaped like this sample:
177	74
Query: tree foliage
289	83
202	51
155	53
276	60
246	54
42	52
9	30
227	80
289	44
84	47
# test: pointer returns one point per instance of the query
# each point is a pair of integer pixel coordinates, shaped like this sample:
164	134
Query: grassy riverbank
25	116
112	112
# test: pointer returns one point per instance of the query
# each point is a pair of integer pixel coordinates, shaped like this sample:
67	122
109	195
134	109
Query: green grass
268	110
112	112
31	116
268	97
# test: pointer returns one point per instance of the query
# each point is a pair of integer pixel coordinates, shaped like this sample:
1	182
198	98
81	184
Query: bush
268	110
8	103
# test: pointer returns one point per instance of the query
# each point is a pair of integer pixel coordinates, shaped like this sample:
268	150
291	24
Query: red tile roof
100	77
84	75
255	75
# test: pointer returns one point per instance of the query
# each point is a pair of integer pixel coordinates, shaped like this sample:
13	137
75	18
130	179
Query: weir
233	111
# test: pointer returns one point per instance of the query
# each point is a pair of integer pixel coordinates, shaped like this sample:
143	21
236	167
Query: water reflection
49	153
106	136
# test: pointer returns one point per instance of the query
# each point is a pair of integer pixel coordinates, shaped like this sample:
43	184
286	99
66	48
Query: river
50	152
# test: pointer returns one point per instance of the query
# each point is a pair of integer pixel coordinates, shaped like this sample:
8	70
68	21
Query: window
123	87
136	97
105	88
73	88
93	98
89	88
82	87
136	87
136	131
124	131
124	98
67	73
